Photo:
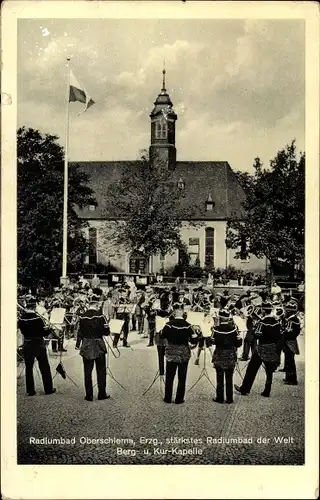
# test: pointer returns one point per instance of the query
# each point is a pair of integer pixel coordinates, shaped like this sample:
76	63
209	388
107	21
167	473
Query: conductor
178	333
92	328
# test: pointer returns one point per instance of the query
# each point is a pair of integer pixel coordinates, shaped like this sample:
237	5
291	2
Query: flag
78	93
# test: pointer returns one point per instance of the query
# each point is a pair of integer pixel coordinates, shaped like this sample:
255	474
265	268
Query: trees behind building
40	176
274	219
149	208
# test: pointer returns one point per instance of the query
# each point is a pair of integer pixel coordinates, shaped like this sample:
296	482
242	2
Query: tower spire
164	76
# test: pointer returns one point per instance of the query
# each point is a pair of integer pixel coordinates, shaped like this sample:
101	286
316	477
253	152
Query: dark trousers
134	322
151	328
171	369
248	343
224	377
88	365
161	350
125	331
140	323
290	365
252	370
57	344
36	350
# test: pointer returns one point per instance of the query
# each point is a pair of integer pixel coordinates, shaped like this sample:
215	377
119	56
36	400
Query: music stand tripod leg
204	373
157	375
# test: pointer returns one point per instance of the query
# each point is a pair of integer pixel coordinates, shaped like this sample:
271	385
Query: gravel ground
128	415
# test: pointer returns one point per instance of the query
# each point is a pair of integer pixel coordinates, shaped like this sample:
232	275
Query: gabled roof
200	178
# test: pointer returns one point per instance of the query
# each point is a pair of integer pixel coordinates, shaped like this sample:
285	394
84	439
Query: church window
209	254
92	245
161	129
158	130
164	130
194	250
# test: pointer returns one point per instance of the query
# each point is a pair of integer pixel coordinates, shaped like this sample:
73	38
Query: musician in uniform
291	348
33	329
123	312
204	341
268	333
226	338
179	334
249	341
91	330
164	312
151	317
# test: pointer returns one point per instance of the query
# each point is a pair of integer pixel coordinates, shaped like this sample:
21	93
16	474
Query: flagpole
64	277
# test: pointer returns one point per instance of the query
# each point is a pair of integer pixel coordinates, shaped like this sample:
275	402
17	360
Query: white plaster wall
107	251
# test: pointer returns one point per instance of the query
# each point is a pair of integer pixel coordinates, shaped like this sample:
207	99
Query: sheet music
195	318
57	317
116	325
160	322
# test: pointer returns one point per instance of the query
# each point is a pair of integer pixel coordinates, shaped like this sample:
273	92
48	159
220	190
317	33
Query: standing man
33	330
123	309
95	282
268	333
178	333
92	329
291	347
226	338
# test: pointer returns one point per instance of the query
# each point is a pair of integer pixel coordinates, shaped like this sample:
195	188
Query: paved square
197	432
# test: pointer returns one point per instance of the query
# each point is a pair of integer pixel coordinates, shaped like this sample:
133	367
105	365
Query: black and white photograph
161	274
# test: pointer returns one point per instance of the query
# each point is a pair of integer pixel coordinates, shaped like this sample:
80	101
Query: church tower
163	127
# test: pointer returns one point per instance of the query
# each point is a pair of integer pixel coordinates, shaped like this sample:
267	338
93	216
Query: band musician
179	334
226	338
268	333
123	310
291	348
33	329
91	330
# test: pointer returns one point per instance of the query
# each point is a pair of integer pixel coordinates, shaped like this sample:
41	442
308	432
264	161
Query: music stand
156	377
57	319
204	371
160	323
108	370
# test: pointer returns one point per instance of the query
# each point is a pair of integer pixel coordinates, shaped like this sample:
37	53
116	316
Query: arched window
161	129
164	129
209	254
158	130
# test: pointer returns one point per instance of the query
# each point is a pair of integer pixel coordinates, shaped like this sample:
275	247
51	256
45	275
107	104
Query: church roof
201	179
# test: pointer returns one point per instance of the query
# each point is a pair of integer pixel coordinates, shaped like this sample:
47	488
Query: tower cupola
163	118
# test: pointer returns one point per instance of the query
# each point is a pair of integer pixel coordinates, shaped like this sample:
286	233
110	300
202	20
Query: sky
237	86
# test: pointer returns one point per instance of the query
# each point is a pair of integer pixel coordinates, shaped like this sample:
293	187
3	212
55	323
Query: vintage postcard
160	169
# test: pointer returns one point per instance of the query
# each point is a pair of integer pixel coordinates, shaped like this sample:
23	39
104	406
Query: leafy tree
246	181
149	208
40	172
274	219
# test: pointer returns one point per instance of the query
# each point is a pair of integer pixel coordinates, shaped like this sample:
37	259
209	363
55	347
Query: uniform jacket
226	339
92	329
270	340
291	332
32	326
178	333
